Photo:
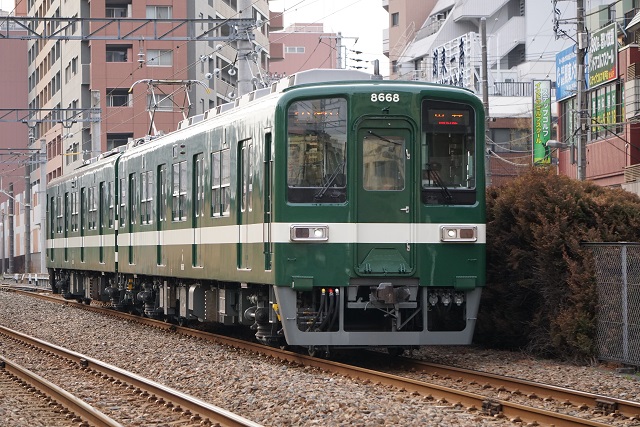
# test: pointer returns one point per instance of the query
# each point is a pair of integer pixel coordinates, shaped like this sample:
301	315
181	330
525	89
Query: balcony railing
510	89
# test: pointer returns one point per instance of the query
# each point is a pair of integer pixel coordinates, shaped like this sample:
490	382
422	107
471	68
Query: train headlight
458	233
309	233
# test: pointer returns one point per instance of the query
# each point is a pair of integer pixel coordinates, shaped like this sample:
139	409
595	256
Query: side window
93	209
179	181
102	198
247	177
110	204
198	200
146	197
59	214
123	202
66	213
74	211
220	183
132	198
162	192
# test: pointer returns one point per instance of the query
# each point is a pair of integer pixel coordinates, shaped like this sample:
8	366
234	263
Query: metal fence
617	267
38	280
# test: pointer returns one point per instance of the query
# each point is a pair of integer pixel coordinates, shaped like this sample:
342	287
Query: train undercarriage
396	314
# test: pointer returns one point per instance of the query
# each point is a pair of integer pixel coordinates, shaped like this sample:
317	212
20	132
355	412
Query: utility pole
245	48
485	98
27	218
4	241
341	61
11	230
42	201
581	97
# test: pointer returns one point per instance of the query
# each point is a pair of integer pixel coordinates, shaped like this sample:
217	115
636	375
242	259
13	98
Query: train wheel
395	351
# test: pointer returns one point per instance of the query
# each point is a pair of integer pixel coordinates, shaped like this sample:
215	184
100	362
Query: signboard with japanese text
603	56
452	62
541	121
566	73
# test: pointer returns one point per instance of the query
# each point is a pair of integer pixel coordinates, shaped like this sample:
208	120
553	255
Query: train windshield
317	139
448	153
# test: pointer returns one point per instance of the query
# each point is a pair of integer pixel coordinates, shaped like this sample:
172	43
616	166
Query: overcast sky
364	19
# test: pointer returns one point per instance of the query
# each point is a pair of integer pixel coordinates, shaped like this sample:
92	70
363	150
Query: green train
330	210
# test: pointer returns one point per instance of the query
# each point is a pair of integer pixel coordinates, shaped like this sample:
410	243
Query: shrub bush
541	290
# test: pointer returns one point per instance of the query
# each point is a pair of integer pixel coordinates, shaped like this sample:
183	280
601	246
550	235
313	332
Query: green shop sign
603	56
541	121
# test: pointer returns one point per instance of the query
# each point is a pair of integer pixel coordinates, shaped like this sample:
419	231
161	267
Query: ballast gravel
275	394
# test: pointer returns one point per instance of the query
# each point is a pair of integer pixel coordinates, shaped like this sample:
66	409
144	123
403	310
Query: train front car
380	237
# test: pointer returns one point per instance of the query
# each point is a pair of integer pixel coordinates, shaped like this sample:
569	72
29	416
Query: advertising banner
566	73
541	121
603	56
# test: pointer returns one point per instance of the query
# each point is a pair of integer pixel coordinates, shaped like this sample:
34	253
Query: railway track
136	398
493	395
583	401
54	405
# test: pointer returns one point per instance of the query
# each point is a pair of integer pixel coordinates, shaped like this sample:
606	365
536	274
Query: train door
385	196
244	205
101	206
132	215
67	213
198	208
268	164
83	217
161	212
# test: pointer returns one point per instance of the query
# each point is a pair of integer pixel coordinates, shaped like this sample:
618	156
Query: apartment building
440	42
90	96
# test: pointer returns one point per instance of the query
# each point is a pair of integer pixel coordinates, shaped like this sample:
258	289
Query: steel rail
195	406
61	396
578	398
472	401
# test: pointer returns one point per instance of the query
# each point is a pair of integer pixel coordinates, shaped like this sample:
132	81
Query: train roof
309	77
303	77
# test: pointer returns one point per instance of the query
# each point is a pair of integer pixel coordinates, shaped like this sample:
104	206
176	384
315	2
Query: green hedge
541	291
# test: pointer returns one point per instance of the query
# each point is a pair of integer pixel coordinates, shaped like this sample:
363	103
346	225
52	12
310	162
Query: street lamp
552	143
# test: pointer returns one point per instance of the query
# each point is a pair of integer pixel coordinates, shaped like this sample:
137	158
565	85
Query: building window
118	98
294	49
117	53
115	140
159	58
395	19
158	12
115	11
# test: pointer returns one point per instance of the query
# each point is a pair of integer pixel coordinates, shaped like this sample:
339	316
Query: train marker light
433	298
458	298
309	233
458	233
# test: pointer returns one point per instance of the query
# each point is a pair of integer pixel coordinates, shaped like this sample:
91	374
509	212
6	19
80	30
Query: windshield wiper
383	138
339	169
432	173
